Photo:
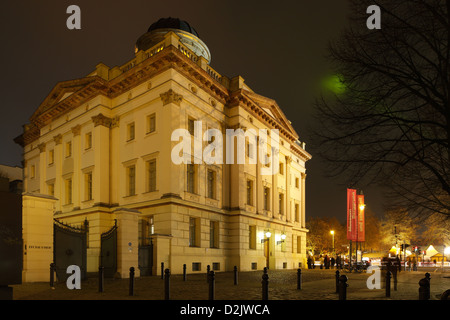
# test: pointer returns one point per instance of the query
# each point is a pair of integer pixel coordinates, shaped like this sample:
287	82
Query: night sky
278	47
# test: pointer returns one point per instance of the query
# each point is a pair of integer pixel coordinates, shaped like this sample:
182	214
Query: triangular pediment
271	107
60	94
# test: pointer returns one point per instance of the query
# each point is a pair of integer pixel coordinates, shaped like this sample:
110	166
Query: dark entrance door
70	245
146	259
108	252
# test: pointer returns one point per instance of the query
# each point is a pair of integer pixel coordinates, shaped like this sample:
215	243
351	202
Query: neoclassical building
98	151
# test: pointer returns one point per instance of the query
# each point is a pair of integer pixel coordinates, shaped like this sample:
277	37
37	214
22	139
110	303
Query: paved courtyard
317	284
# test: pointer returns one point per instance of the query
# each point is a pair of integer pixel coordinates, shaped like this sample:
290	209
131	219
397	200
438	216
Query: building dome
173	23
188	36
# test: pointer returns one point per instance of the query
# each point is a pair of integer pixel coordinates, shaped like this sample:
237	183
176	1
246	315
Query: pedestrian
309	262
398	264
326	262
332	261
321	262
338	262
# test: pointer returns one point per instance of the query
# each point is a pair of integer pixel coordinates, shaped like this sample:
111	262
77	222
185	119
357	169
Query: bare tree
436	231
390	123
398	227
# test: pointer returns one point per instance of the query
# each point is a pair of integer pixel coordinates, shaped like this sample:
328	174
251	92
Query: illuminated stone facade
101	146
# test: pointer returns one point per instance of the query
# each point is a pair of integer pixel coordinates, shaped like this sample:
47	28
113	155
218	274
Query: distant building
11	179
101	145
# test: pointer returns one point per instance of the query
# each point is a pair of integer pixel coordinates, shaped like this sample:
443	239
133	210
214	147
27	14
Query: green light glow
334	84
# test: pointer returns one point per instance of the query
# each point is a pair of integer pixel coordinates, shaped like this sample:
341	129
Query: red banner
361	231
351	214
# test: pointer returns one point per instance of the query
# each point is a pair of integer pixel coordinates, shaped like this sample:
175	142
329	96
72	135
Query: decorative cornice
57	139
101	120
76	130
41	147
115	122
171	97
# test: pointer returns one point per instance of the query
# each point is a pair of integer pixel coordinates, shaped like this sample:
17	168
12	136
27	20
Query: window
51	156
266	198
216	266
193	232
151	123
281	168
196	266
191	126
191	178
130	131
297	183
249	150
51	189
68	149
210	137
250	192
131	180
252	237
68	186
267	160
297	212
214	234
211	184
88	186
88	141
280	203
32	171
151	167
299	244
146	229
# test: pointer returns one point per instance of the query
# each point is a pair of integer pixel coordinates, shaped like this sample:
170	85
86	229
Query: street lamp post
332	235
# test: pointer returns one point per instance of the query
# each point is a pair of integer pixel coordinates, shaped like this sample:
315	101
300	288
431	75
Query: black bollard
208	269
211	281
162	270
299	279
167	285
388	283
343	287
52	275
131	293
337	280
235	275
101	278
184	272
265	285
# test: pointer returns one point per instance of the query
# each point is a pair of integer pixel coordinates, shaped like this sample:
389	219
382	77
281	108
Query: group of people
326	262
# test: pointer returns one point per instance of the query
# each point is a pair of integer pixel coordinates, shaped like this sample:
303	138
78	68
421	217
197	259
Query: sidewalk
316	285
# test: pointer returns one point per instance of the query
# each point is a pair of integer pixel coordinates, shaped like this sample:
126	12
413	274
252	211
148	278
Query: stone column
170	118
101	174
37	224
127	241
59	183
259	187
303	200
275	212
42	168
288	190
77	181
115	158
